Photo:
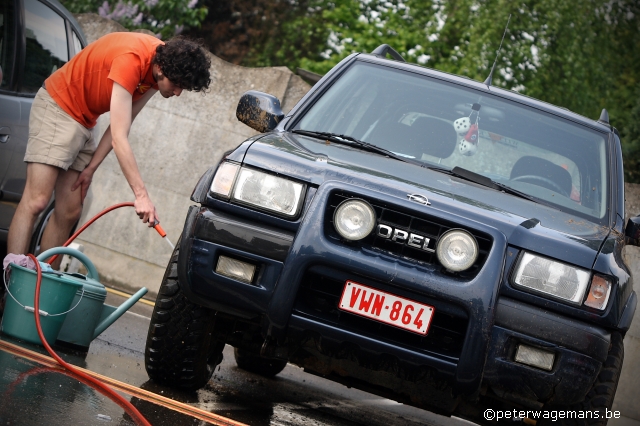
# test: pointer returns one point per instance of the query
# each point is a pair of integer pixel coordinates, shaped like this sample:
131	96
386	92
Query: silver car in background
36	38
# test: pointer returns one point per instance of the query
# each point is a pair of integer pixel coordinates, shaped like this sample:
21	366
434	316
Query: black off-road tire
180	351
267	367
600	396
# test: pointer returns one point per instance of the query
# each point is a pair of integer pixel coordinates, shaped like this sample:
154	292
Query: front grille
424	225
319	296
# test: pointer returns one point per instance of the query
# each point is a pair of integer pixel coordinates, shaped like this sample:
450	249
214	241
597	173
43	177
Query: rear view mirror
632	231
259	110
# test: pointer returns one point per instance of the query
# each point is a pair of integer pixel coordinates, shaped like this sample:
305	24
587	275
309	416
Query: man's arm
104	147
121	114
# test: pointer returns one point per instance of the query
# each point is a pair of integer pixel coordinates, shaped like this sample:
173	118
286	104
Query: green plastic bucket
56	296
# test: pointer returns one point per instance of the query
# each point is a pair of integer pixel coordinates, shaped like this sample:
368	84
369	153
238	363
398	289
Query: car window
77	45
7	43
512	154
447	125
46	44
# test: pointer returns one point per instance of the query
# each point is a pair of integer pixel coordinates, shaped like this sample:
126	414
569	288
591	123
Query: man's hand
146	210
83	182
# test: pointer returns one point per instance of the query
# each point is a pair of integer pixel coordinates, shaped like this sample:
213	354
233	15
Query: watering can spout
110	314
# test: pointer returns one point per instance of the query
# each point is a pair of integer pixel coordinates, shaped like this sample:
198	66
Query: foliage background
583	55
165	18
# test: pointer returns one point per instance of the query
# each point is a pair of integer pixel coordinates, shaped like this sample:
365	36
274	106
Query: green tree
165	18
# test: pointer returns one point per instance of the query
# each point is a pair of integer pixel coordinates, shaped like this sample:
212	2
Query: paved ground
33	394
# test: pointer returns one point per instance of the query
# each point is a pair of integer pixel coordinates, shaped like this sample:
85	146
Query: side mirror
632	231
259	110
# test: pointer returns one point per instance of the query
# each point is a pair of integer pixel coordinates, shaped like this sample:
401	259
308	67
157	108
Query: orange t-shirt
83	86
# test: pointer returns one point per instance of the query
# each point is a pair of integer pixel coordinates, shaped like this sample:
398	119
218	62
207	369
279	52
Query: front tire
180	350
267	367
603	391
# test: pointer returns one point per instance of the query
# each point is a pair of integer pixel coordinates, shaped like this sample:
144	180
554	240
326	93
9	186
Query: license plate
387	308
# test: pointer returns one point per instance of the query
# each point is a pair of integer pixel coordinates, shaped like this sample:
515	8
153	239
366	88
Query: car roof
508	94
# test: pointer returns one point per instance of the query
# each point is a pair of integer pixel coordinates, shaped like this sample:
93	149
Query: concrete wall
175	141
178	139
629	386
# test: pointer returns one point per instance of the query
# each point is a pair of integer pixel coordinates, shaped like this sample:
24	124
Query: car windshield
445	125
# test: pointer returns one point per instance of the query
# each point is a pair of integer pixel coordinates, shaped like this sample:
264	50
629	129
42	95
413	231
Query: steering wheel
389	121
537	179
399	108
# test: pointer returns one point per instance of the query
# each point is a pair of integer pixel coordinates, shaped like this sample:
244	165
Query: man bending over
119	73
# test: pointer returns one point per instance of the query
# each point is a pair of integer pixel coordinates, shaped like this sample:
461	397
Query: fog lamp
535	357
235	269
457	250
354	219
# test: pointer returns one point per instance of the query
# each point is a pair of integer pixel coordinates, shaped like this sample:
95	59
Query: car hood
526	224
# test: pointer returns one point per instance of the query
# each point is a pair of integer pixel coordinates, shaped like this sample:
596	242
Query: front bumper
579	348
474	333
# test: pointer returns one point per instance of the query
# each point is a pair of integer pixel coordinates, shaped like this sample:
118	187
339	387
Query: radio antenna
488	80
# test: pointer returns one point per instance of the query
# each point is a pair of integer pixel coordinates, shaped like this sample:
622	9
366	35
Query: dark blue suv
415	234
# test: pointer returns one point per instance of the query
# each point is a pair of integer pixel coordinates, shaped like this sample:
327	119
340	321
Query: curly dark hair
185	63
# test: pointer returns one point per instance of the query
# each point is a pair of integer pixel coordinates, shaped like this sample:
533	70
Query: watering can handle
92	272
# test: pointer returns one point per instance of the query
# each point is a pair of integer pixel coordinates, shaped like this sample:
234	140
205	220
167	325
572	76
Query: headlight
354	219
262	190
547	276
457	250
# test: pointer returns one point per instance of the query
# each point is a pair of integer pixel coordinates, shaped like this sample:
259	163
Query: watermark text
553	415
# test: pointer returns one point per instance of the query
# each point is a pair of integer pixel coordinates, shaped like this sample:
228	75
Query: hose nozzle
159	229
163	234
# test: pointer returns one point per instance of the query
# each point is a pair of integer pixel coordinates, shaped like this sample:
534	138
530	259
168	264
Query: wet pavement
32	392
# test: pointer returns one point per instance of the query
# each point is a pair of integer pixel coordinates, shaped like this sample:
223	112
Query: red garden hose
157	226
129	408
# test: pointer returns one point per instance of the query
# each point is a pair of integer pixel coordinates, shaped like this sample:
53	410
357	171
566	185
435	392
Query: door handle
5	133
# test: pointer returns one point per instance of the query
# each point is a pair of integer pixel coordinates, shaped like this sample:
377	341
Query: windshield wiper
482	180
351	141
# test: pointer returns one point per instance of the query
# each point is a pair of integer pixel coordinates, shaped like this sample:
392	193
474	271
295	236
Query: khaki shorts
55	138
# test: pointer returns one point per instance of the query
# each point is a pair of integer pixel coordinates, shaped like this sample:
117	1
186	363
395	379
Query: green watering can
91	316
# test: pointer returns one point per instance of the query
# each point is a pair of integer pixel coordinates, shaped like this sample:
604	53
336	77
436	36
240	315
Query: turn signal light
224	178
598	293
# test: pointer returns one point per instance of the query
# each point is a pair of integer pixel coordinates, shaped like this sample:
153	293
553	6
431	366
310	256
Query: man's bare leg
67	211
41	180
